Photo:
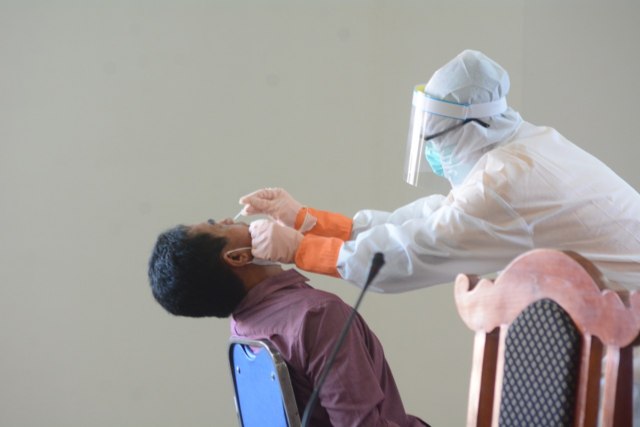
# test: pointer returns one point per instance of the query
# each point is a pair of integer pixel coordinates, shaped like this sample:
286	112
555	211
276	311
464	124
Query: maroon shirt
304	324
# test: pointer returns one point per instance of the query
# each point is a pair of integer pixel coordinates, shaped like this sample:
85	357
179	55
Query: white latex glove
278	204
274	242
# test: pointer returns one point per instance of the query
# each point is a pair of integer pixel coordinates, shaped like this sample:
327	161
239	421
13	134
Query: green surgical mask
433	157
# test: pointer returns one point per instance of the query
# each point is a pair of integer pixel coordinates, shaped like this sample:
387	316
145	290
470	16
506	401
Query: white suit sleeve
431	240
421	208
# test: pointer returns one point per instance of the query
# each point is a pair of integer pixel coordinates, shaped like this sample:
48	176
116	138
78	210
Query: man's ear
238	259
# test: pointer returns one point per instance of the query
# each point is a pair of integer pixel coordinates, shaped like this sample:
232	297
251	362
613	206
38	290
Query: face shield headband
422	106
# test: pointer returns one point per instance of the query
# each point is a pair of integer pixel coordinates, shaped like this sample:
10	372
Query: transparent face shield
414	163
418	158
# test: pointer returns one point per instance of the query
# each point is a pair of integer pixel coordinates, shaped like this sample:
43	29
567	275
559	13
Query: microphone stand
376	265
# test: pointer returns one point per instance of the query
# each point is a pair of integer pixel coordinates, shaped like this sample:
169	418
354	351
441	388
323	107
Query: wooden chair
262	387
548	332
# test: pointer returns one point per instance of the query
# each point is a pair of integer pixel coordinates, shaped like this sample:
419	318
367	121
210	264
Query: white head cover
469	86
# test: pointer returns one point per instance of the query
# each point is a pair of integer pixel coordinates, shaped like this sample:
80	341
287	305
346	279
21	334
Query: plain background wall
120	119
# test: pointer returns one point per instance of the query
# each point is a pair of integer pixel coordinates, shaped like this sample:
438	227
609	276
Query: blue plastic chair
263	393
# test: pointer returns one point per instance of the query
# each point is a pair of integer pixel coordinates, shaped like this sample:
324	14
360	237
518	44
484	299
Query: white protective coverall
535	190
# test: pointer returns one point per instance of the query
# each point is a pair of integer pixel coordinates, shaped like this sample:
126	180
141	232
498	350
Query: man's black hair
188	276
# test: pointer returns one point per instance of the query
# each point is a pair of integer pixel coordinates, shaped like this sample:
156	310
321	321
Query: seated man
208	270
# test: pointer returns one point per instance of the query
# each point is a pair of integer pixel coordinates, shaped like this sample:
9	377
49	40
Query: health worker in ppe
515	187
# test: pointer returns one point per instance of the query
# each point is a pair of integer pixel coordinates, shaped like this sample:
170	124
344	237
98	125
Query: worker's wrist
319	254
304	220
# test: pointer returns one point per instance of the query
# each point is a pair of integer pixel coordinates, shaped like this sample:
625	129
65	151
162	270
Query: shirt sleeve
351	393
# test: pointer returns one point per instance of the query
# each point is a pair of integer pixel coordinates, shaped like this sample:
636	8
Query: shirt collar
268	286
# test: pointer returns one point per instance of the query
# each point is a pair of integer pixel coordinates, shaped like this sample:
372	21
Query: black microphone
376	264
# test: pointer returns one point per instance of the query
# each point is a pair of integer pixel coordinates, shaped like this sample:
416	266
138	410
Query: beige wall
120	119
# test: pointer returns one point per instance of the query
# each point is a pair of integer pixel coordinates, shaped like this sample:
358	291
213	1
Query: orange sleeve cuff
319	254
329	224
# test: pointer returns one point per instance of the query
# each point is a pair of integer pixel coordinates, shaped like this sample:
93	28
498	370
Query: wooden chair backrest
608	322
